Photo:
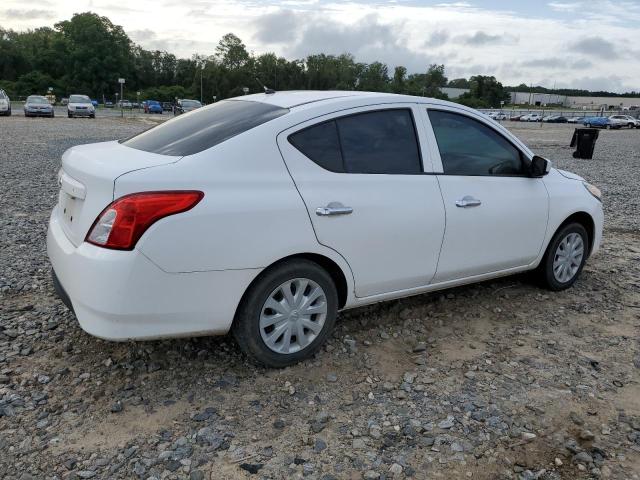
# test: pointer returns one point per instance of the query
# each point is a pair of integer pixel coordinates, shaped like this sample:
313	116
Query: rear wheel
565	257
287	314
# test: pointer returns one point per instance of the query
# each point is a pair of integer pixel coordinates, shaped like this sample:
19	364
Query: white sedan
265	215
80	106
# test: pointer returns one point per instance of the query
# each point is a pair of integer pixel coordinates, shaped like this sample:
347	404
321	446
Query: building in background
584	103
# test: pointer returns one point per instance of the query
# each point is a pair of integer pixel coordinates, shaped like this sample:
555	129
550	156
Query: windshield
205	127
79	99
37	100
191	103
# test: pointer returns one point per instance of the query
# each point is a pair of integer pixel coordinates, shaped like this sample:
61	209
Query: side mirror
539	167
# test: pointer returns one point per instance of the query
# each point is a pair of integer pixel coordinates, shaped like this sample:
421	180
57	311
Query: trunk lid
87	179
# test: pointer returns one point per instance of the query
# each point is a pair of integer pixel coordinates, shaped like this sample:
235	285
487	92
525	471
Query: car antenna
267	90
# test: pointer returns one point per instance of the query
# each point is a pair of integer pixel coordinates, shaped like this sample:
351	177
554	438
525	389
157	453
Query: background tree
485	92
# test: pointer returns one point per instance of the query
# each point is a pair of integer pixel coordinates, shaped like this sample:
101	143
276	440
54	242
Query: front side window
468	147
204	128
381	142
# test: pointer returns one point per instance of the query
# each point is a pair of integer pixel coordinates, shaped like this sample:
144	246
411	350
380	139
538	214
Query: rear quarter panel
250	217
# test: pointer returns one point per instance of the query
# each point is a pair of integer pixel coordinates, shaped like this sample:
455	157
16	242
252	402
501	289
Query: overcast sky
567	43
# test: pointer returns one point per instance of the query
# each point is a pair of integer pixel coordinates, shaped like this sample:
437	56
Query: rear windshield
203	128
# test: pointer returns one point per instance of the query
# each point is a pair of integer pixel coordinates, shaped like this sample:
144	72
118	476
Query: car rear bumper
122	295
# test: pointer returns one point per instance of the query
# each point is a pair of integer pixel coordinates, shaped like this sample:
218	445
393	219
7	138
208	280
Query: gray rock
196	475
447	423
582	457
320	445
86	474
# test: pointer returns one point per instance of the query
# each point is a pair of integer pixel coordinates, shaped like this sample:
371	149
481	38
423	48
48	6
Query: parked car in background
167	107
38	106
80	106
108	104
5	104
575	119
163	234
599	122
555	119
186	105
152	106
531	117
624	121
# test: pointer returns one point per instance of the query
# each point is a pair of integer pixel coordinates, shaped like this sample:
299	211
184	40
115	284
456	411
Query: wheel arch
332	268
584	219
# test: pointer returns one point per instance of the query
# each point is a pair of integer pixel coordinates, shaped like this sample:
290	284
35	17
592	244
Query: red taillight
122	223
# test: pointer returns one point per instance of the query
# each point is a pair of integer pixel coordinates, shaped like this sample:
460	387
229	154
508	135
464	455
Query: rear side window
383	142
203	128
469	147
321	144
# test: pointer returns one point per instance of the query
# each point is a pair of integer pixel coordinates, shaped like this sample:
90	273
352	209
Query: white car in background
624	121
531	117
5	104
265	215
80	106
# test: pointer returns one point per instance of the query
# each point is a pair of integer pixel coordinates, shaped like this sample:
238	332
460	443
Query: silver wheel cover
293	315
568	257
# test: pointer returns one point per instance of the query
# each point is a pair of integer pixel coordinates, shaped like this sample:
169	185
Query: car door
496	214
360	173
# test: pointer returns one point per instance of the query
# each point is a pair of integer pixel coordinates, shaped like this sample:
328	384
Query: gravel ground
499	380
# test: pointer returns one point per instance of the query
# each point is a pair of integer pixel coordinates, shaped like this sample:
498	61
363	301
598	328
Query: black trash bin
584	139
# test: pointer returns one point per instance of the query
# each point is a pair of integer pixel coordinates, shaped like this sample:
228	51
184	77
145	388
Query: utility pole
121	82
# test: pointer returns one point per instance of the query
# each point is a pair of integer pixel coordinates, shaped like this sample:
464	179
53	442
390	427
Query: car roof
296	98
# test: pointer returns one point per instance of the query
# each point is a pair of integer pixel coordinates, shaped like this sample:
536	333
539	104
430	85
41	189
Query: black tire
545	269
246	325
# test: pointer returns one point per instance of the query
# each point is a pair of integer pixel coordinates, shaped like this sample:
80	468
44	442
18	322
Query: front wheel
565	257
287	314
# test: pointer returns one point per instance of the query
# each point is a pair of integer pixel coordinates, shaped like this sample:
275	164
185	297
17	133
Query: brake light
123	222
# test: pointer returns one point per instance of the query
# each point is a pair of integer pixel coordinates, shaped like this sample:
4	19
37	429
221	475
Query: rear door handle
334	208
468	201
